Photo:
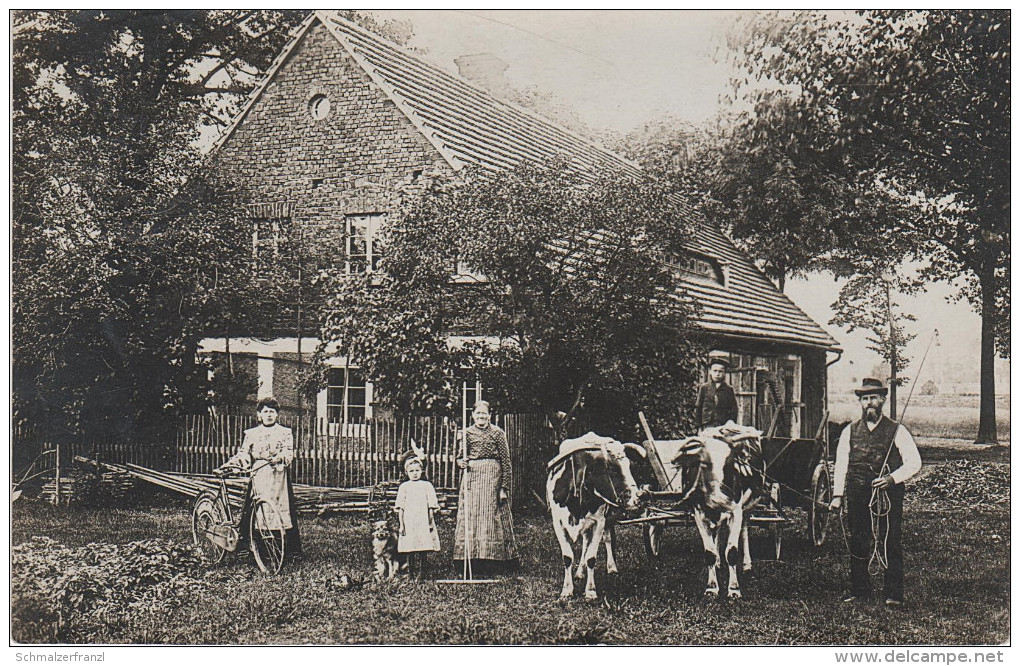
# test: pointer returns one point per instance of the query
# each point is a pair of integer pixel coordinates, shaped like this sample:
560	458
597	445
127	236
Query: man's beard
872	414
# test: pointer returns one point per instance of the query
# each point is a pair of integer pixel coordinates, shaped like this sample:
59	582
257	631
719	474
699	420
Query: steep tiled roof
749	304
470	126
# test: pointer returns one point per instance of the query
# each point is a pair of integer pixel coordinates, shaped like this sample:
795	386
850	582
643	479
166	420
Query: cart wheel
777	527
208	513
653	539
267	536
821	495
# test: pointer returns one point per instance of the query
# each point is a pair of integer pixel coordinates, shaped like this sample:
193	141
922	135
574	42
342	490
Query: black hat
870	386
718	357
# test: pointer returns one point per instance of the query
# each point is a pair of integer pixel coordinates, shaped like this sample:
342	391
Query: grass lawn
957	586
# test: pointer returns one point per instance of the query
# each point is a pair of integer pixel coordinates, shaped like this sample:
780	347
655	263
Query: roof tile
469	125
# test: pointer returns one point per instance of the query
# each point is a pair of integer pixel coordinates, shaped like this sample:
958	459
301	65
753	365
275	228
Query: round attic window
318	107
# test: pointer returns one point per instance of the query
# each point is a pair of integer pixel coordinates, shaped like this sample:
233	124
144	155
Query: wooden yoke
653	455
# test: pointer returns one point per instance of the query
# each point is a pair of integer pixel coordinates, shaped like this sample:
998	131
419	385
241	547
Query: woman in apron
484	505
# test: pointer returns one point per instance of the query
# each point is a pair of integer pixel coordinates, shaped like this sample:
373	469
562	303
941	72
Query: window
696	265
347	396
363	248
319	107
267	235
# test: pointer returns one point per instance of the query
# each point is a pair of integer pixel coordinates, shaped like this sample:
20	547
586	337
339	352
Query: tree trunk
986	425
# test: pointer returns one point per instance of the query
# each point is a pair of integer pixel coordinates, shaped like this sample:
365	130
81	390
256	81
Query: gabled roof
467	124
470	126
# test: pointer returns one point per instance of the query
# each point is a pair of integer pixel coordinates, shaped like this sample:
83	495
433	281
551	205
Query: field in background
939	416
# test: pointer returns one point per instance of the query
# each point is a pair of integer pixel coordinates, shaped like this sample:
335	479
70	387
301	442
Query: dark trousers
862	541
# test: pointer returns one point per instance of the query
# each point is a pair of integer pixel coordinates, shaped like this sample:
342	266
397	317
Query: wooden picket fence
351	455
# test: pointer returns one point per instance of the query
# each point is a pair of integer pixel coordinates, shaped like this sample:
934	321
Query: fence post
56	479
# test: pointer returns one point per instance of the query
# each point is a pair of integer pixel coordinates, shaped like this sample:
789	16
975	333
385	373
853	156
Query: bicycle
216	531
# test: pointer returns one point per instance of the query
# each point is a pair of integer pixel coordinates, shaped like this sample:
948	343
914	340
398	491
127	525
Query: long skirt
292	536
491	530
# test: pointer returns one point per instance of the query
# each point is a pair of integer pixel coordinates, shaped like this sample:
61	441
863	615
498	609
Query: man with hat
875	456
716	402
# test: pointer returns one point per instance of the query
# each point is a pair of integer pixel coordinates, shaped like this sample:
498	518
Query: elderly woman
484	525
266	451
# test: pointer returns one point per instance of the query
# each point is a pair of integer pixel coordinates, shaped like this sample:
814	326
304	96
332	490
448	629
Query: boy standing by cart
716	403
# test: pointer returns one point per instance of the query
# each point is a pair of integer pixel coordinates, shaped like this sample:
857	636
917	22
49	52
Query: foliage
913	109
867	302
77	591
574	313
965	483
763	191
120	258
678	153
779	197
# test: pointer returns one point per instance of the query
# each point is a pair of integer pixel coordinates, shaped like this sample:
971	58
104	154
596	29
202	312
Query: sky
621	69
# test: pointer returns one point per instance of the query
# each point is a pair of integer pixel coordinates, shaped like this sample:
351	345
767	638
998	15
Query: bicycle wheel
266	536
207	514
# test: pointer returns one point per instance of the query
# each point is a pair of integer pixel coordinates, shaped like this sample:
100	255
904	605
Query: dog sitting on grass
384	550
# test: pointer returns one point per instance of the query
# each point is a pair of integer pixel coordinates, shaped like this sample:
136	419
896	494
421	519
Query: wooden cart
798	471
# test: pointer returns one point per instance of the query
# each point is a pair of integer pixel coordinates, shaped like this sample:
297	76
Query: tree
558	279
868	302
761	187
121	253
777	196
916	106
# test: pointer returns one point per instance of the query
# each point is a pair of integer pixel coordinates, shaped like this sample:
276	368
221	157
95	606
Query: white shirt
904	444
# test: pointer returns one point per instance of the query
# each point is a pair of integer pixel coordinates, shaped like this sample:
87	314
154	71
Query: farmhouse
345	119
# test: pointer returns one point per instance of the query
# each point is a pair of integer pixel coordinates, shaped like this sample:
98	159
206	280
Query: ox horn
638	449
688	447
691	444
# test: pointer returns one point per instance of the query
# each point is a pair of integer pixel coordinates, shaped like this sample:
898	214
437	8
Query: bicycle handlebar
236	470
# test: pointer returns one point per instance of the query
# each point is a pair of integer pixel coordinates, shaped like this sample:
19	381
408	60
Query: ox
724	470
589	485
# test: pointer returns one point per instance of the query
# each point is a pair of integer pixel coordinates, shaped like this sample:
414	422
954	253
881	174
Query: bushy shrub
62	594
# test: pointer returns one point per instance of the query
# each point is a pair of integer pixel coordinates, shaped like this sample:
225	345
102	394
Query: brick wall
350	162
353	161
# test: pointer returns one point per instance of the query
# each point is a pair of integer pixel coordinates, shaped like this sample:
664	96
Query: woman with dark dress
484	525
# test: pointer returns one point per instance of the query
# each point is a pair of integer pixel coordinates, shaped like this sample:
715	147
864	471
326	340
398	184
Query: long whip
913	384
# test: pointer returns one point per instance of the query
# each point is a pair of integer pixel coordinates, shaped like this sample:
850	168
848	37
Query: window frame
373	225
276	228
345	427
698	266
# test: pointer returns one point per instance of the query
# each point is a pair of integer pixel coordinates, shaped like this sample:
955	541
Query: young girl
416	505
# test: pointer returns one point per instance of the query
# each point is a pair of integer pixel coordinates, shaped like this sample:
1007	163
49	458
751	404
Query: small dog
384	550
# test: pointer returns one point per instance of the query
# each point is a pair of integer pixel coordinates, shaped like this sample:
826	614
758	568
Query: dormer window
699	266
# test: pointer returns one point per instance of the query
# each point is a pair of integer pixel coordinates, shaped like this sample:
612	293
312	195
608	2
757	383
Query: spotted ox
726	467
588	487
